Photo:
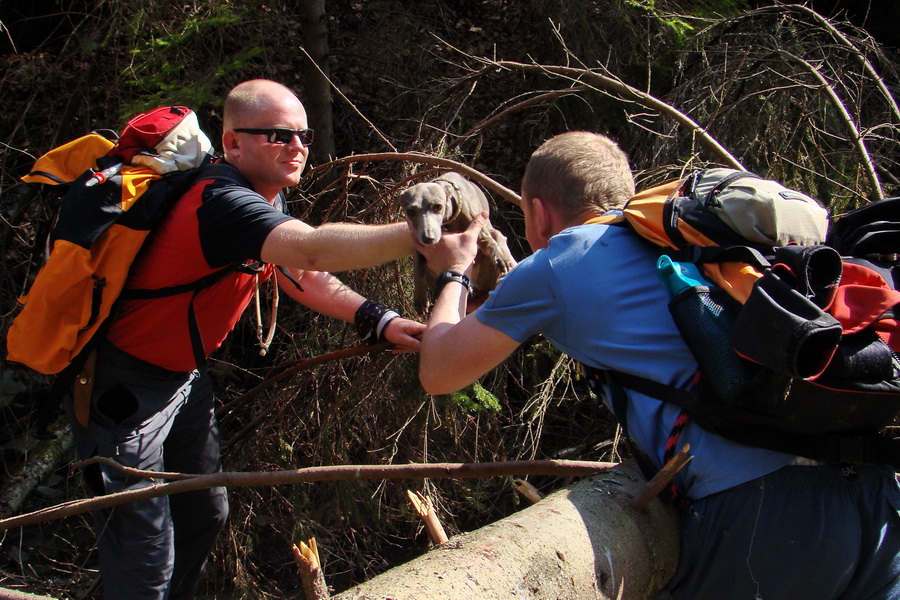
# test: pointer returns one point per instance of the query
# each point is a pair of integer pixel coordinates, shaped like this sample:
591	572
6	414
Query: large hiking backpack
796	344
116	193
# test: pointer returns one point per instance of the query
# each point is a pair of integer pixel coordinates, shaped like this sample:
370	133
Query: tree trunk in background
317	97
583	542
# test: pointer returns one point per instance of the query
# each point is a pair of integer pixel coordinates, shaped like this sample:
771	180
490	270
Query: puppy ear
400	200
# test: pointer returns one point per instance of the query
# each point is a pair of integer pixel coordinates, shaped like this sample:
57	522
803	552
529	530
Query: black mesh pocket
705	318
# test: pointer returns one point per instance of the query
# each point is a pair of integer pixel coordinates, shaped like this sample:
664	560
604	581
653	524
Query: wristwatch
448	276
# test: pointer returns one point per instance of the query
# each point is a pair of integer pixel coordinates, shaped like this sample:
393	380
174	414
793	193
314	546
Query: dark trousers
801	533
150	418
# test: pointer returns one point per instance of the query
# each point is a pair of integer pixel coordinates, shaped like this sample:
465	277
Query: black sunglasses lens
281	136
286	136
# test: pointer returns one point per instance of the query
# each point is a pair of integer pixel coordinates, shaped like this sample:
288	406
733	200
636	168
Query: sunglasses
280	135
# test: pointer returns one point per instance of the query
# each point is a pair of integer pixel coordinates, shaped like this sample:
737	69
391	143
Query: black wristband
448	276
371	320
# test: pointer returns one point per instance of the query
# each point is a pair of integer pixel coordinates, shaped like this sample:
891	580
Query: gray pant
150	418
800	533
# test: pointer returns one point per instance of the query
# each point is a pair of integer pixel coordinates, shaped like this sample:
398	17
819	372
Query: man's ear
544	219
230	142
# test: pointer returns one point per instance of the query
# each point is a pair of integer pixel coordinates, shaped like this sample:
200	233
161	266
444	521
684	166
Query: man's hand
404	334
455	251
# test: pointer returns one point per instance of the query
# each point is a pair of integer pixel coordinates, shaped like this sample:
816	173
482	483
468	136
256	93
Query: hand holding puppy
455	251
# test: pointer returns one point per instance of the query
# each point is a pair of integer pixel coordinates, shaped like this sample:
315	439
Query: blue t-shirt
595	295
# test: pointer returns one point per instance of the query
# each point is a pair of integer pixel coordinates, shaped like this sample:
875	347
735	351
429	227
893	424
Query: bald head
252	110
250	101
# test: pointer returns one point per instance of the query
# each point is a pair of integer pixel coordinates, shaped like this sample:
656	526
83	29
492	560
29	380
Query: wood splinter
425	509
310	567
662	478
528	491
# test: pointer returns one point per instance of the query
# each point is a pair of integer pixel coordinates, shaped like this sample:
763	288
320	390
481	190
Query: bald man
152	404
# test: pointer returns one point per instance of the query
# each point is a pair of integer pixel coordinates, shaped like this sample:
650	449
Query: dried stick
516	107
310	567
292	368
340	93
857	138
139	473
425	509
610	82
311	474
528	491
418	157
662	478
836	33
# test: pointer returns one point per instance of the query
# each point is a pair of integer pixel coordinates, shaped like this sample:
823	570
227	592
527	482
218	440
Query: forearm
336	247
326	294
437	371
323	293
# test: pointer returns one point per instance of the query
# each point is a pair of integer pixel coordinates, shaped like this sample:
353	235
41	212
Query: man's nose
295	143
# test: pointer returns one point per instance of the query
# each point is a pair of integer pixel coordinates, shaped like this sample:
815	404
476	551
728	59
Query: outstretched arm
457	349
326	294
336	247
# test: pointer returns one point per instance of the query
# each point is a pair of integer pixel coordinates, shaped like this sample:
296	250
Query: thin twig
480	126
418	157
140	473
292	368
312	474
611	82
347	100
855	136
866	64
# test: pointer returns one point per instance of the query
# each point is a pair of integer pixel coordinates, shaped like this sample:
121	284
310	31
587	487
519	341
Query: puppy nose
428	240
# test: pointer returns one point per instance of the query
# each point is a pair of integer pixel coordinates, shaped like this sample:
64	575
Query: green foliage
476	399
181	61
676	23
680	22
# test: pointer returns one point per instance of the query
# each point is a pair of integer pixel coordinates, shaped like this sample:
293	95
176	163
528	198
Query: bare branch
427	159
569	468
377	131
663	478
516	107
609	82
866	64
847	118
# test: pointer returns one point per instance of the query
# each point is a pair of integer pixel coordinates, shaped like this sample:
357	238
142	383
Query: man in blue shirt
757	524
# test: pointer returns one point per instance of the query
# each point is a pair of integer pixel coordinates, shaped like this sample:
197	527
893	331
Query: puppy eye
437	208
410	212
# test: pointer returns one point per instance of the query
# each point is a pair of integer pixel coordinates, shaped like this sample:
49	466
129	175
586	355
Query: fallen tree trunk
584	542
43	459
8	594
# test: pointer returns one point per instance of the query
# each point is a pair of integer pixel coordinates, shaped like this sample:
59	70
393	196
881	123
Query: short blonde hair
579	171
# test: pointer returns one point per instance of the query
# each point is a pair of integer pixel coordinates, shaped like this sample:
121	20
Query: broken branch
425	509
662	478
313	474
310	566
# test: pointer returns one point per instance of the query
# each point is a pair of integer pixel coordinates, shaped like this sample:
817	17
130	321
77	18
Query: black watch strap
448	276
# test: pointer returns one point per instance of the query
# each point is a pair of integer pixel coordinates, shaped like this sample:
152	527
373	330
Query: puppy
449	203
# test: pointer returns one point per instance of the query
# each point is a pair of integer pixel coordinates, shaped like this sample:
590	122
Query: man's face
270	165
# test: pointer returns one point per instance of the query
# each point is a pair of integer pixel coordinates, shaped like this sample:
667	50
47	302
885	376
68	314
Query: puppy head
425	206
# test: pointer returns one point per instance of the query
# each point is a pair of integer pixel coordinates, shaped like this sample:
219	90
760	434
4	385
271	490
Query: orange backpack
792	322
116	194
